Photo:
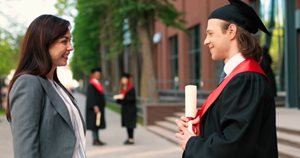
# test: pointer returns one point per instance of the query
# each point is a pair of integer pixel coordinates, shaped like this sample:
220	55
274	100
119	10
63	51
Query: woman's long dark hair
34	55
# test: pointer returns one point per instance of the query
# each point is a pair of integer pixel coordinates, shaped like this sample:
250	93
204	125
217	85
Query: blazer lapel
56	101
76	106
82	120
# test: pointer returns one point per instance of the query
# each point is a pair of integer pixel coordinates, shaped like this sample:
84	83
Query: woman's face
124	81
60	50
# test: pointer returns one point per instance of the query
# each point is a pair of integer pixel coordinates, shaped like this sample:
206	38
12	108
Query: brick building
183	59
180	58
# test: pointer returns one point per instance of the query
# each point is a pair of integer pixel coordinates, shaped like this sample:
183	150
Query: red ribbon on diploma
249	65
195	127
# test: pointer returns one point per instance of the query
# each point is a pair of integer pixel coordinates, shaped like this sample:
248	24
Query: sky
279	8
23	12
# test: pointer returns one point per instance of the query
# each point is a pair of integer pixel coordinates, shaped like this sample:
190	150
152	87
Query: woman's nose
70	47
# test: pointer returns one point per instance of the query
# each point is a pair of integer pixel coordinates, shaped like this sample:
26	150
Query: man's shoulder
251	76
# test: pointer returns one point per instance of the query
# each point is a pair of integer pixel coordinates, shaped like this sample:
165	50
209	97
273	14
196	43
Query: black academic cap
241	14
126	75
96	69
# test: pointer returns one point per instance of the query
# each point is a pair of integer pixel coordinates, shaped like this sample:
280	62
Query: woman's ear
232	28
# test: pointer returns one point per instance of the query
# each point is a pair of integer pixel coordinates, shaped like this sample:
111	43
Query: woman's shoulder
27	77
27	81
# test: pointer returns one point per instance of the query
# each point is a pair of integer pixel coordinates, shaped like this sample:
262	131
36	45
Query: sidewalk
148	145
6	150
288	118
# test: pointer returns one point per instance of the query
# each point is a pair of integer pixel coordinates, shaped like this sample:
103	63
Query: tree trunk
148	85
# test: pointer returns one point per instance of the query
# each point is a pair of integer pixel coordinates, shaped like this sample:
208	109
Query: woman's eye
64	41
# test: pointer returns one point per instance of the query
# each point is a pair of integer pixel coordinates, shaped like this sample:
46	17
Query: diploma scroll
118	97
98	119
190	104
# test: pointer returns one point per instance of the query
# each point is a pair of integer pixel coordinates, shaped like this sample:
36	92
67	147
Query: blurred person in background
266	65
127	99
95	106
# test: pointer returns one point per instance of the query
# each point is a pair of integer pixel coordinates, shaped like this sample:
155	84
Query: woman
45	120
127	99
95	105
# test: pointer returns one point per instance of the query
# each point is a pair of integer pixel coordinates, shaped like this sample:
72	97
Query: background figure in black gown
127	99
240	123
95	104
266	63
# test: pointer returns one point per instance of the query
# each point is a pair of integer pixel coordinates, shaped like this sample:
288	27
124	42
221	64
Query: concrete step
286	151
288	130
171	119
288	139
167	125
179	114
166	134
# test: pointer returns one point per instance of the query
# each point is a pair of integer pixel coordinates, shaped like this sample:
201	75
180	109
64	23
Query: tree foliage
65	7
99	24
9	50
86	38
142	15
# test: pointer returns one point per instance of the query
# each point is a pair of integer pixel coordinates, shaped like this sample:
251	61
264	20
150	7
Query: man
95	106
238	118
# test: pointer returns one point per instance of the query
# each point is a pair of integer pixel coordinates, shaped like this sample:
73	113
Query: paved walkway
147	144
288	118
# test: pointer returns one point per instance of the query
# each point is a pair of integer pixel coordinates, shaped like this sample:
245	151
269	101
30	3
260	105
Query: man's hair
96	69
247	43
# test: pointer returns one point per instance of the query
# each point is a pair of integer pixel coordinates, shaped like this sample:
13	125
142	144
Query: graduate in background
95	106
266	65
238	118
127	99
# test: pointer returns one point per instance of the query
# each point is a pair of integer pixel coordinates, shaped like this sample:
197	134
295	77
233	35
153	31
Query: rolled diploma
98	119
190	103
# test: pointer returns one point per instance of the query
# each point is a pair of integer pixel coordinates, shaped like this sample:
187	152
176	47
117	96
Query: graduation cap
241	14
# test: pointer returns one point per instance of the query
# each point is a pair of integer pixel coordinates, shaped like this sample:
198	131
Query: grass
114	107
117	108
2	112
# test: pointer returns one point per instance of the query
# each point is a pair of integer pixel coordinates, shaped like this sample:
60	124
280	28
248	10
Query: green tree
9	48
86	38
65	7
142	15
99	31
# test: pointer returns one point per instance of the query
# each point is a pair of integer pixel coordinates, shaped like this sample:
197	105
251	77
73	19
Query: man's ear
232	30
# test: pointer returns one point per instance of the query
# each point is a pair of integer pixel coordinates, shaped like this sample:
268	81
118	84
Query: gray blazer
41	125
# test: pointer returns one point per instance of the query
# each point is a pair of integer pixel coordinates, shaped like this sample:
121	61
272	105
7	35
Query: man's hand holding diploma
183	133
186	124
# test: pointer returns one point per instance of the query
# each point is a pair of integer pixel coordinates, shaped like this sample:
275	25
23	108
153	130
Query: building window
174	60
194	54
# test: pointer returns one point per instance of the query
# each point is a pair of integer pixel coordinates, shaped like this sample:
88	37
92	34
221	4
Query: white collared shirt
233	62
